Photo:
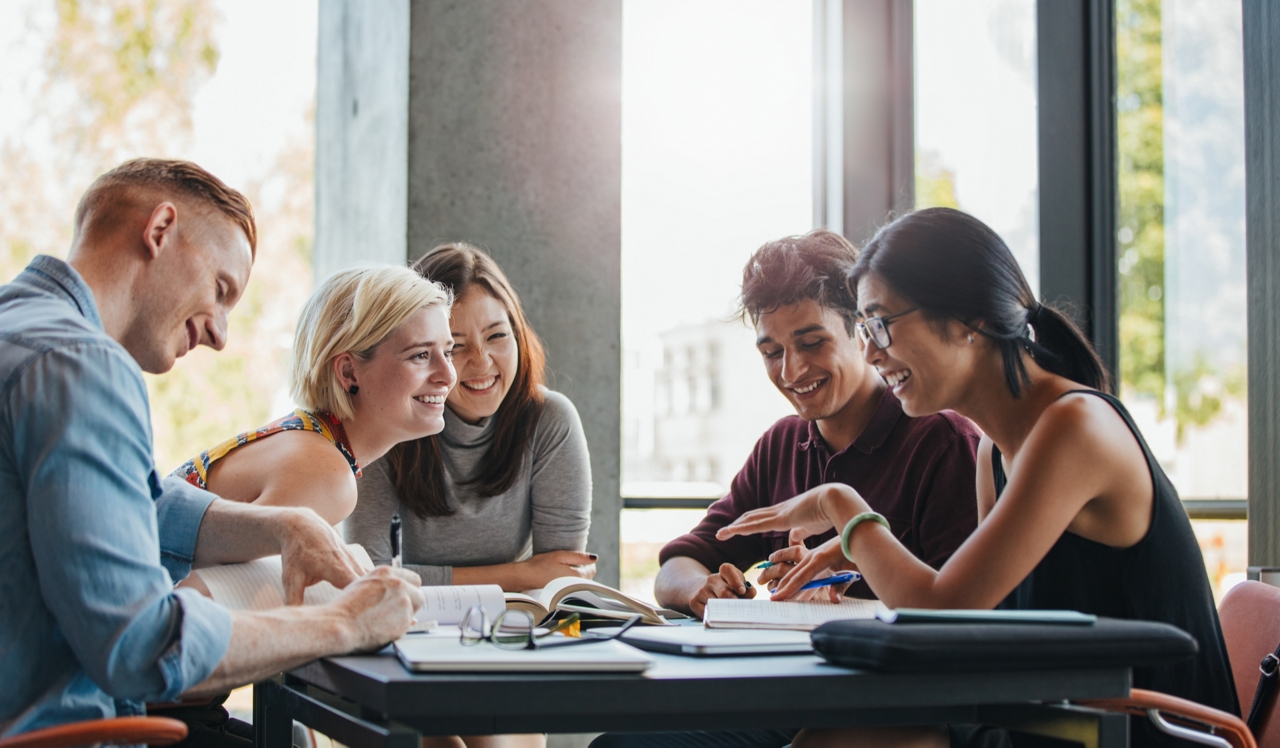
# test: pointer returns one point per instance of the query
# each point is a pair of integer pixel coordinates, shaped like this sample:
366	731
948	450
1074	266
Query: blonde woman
371	368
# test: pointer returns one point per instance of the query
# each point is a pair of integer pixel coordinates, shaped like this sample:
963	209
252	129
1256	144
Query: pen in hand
396	559
843	577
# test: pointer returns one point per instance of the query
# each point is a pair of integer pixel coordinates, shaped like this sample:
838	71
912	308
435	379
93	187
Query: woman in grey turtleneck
503	495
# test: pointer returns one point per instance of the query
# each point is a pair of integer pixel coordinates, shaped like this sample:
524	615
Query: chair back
1250	615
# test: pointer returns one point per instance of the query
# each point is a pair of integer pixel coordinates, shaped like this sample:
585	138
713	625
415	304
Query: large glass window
975	102
716	160
1181	245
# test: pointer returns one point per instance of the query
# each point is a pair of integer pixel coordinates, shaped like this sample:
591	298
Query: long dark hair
954	266
417	470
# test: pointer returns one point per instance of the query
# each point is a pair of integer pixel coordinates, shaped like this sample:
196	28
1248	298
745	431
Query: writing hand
728	583
379	607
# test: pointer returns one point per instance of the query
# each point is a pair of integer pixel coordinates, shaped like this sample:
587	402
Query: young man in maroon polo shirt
848	428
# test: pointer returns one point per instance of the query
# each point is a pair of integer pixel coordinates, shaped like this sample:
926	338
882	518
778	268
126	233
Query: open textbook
574	594
257	585
797	616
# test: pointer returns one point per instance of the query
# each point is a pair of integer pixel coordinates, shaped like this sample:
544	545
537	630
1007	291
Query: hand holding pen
815	565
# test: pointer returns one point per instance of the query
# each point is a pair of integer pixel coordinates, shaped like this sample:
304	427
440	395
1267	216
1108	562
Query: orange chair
118	731
1250	615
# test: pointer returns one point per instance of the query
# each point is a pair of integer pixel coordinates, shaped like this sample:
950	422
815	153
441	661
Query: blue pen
841	578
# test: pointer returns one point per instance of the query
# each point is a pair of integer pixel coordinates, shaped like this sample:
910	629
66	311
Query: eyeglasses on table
516	629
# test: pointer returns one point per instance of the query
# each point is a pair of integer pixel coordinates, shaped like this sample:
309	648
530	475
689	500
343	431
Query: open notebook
588	598
257	585
796	616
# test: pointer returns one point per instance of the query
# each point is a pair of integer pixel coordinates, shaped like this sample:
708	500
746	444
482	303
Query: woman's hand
813	512
537	571
815	563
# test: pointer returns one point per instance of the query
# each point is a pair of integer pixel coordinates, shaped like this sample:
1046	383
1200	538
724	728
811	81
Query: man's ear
161	229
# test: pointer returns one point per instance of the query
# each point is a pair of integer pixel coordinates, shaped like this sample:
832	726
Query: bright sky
716	150
717	138
256	102
976	109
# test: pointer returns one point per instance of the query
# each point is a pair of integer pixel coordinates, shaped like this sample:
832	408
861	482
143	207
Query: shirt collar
883	420
60	279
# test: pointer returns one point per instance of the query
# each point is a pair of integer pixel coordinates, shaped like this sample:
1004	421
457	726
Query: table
373	701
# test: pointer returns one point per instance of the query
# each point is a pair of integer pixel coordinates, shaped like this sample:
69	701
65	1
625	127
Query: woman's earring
970	343
355	388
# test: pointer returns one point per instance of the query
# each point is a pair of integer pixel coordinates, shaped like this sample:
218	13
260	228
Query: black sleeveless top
1160	578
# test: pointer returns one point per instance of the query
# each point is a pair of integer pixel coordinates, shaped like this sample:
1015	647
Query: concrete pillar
362	133
1262	238
512	141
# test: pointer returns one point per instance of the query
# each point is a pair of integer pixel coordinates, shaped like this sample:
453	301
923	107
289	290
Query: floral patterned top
196	471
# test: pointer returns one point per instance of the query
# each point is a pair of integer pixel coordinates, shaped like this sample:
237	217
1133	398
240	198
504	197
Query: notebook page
802	616
258	584
447	604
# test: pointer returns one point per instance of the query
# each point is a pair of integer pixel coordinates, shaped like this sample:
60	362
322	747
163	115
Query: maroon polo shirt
917	472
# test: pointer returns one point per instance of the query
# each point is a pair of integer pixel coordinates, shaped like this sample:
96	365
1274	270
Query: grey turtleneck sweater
548	508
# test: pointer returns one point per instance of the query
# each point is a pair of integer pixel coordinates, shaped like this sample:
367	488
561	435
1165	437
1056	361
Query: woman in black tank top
1074	511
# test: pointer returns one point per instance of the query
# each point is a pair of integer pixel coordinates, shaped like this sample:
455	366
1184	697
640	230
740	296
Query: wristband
844	536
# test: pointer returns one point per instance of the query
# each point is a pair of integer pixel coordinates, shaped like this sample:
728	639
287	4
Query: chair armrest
121	730
1227	728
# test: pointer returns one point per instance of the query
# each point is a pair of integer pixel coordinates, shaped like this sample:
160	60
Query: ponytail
1061	348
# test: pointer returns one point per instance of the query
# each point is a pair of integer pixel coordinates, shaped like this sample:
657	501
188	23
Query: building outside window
717	159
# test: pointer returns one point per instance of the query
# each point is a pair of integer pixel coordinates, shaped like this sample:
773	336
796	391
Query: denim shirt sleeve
180	508
82	444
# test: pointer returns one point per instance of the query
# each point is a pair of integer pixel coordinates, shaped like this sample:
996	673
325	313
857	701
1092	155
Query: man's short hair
113	190
789	270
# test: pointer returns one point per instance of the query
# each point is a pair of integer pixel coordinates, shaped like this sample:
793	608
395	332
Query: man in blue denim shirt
91	541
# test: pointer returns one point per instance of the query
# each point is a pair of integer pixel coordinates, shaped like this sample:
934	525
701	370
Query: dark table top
688	693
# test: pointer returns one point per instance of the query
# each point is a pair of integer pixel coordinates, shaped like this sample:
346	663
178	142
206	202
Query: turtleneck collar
459	433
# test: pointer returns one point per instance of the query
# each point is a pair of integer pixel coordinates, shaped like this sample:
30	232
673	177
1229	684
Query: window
975	103
1181	251
717	159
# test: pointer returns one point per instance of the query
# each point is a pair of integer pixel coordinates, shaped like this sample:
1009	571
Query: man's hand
371	611
380	606
311	552
728	583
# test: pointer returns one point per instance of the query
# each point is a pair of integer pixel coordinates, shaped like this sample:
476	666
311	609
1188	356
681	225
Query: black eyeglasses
876	329
515	629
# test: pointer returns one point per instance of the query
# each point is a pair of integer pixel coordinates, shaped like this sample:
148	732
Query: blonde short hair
353	311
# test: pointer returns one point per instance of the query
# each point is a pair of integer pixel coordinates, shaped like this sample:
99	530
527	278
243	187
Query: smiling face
813	361
403	386
188	290
485	354
928	366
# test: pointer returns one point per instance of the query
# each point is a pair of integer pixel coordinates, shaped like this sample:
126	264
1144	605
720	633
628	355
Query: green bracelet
844	536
